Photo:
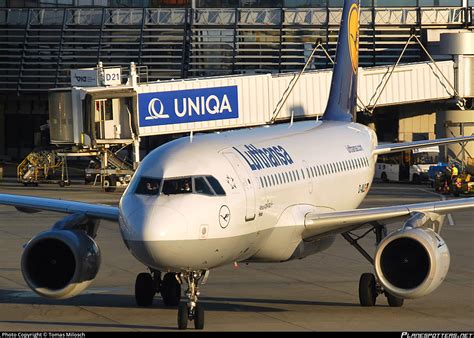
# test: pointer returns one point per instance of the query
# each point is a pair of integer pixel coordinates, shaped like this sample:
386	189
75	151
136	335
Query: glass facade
39	46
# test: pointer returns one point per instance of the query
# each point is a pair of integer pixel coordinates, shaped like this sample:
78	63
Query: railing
240	16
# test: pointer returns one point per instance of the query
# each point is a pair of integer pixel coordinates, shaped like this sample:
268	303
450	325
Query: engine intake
412	262
60	263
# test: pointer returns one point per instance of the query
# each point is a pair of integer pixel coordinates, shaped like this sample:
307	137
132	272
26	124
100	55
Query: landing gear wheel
183	314
199	317
144	289
367	289
110	183
394	301
170	290
62	184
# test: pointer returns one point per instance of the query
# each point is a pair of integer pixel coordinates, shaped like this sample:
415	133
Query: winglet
343	95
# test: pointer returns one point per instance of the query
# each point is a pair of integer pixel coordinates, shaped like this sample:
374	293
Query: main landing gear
192	311
148	284
369	287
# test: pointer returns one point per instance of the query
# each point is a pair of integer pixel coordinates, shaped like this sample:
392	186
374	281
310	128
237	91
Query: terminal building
41	41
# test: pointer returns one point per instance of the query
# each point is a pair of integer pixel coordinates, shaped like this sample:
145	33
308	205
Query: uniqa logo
152	113
202	105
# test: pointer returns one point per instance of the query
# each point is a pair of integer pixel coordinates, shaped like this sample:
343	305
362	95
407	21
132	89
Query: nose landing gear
192	311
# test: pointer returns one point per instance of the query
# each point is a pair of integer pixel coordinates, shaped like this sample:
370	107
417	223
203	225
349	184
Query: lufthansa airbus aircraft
261	195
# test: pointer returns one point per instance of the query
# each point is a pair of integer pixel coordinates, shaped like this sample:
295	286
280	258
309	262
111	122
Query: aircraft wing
397	147
35	204
320	224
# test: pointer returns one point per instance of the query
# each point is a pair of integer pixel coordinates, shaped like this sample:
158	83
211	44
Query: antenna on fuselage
191	137
291	119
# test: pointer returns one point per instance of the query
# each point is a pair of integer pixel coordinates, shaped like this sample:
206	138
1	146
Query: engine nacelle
60	263
412	262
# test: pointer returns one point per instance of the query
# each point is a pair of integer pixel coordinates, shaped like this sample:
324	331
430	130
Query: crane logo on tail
354	36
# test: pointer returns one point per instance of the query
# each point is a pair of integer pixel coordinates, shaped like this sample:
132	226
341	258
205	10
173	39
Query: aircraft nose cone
151	232
163	223
144	221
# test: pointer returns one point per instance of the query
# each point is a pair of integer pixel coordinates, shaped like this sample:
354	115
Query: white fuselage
272	177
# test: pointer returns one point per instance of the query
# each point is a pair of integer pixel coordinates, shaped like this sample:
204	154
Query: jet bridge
113	117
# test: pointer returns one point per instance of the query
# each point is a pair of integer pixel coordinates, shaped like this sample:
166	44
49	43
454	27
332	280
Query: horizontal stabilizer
398	147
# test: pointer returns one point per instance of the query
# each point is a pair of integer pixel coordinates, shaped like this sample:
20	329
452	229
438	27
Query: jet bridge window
148	186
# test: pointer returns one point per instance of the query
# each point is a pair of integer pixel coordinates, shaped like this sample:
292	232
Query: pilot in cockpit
186	185
152	186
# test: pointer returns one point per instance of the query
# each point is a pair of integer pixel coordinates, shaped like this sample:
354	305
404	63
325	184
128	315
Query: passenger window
297	175
216	185
201	186
148	186
273	180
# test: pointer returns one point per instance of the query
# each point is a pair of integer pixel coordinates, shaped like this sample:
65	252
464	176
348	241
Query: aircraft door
104	119
112	118
247	184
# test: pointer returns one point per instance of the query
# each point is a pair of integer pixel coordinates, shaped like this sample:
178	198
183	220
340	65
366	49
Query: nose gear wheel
191	311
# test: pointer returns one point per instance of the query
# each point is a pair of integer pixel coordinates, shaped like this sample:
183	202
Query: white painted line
450	217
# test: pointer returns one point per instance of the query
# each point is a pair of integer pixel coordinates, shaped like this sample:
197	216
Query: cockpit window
177	186
148	186
205	185
216	185
201	186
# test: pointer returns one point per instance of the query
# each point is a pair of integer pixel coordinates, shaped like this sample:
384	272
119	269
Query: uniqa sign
185	106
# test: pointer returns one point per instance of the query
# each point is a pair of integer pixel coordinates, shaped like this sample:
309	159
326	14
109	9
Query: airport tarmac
318	293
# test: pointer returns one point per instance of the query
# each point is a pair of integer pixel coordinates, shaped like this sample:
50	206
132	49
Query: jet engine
60	263
412	262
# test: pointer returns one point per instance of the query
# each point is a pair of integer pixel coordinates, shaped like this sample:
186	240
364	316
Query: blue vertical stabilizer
343	95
